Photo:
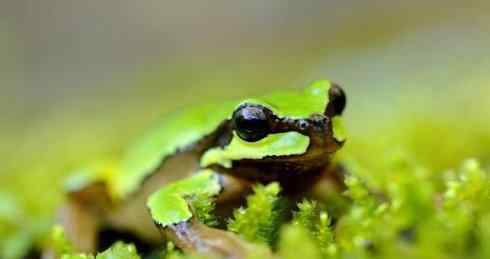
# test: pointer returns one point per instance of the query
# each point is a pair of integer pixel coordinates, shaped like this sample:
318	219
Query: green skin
206	150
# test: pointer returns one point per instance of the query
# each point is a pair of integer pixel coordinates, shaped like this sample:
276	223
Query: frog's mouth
277	168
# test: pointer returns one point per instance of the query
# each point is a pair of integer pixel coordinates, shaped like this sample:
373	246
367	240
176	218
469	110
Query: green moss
260	220
117	251
296	242
77	256
317	223
59	243
19	232
203	206
414	213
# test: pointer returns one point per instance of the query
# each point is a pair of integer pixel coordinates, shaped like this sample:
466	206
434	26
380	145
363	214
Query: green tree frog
217	150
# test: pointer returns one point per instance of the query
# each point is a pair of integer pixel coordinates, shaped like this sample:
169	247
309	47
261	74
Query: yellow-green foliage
400	209
413	215
317	223
203	206
62	248
18	231
59	243
297	242
412	212
259	221
117	251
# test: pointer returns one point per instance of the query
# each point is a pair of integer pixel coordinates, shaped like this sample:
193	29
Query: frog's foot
194	237
172	213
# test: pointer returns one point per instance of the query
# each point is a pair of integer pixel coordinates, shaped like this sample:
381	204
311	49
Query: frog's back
175	132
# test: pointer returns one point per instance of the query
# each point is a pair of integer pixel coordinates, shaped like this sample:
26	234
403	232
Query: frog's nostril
303	124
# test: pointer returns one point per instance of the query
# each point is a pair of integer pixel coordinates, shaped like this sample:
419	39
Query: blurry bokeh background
80	79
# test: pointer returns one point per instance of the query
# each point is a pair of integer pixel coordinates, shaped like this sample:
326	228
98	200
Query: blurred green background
80	79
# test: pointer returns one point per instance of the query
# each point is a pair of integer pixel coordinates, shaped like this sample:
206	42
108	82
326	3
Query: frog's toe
194	237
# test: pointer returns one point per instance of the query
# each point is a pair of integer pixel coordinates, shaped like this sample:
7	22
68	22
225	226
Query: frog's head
287	132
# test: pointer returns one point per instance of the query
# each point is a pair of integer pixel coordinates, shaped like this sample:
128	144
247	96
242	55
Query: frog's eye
251	122
337	101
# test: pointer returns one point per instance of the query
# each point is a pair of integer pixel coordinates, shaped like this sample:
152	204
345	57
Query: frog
219	150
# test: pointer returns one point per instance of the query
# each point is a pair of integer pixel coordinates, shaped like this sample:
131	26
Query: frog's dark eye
251	122
337	101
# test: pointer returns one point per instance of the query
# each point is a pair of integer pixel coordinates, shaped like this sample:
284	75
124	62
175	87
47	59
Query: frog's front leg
80	219
194	237
173	214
